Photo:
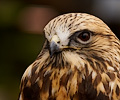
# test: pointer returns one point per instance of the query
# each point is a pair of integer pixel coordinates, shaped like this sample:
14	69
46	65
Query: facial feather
80	69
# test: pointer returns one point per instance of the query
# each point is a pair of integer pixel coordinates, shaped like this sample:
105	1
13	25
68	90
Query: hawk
80	60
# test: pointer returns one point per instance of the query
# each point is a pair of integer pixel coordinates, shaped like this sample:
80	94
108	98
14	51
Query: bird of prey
80	60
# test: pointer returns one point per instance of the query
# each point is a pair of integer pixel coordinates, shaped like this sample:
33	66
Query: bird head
80	37
79	60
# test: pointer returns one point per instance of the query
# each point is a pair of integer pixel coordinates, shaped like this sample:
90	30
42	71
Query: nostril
58	42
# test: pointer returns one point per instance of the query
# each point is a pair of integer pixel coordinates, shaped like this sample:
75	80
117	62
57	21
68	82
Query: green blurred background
21	32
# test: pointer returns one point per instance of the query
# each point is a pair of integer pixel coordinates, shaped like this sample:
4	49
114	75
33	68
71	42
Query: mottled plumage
80	60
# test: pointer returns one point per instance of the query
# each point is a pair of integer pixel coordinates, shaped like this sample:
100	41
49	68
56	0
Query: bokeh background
21	32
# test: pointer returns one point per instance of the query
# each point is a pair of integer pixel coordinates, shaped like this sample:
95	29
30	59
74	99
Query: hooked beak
54	48
54	45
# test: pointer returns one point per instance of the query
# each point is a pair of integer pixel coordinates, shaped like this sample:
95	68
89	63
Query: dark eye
84	36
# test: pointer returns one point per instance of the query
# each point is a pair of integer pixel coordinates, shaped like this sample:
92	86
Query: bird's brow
78	32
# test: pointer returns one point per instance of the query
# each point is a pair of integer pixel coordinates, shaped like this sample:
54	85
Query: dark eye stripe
77	33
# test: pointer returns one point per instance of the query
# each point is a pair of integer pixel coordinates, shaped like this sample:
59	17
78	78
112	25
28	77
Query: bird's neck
73	60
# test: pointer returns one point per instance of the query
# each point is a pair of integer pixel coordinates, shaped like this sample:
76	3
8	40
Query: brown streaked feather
91	72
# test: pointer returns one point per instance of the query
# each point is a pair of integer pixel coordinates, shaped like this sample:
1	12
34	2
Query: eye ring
84	37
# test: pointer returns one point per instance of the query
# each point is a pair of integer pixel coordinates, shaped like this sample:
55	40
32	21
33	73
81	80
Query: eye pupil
84	36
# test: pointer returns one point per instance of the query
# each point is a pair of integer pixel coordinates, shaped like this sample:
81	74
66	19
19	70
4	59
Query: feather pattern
88	71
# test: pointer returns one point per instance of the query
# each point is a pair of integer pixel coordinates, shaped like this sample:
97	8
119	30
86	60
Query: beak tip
51	54
54	48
